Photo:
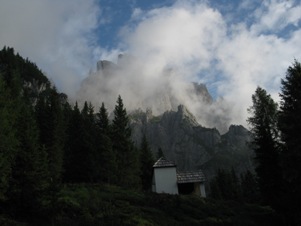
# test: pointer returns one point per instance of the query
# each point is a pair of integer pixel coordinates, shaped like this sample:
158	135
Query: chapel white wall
166	180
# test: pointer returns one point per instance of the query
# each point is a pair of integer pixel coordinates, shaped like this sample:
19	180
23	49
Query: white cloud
194	42
275	15
56	34
177	36
257	56
191	37
170	47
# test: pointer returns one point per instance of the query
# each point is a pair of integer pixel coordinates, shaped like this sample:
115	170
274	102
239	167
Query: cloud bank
56	34
230	48
198	43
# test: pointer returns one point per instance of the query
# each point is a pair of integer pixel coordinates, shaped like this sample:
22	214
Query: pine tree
225	186
8	139
249	187
290	127
146	164
29	182
103	120
236	193
76	160
215	191
89	139
126	154
52	131
106	156
263	122
160	153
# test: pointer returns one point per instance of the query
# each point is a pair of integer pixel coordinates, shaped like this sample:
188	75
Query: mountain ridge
192	146
177	131
159	89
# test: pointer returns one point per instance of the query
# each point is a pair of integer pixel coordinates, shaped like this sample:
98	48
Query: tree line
227	185
276	141
277	144
46	142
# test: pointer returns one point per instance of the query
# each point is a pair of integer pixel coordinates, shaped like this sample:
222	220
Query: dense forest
65	164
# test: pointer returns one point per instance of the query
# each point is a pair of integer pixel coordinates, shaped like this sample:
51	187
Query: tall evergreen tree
81	154
106	158
49	116
225	185
91	143
89	139
76	160
103	120
249	187
290	127
160	153
29	182
146	164
126	154
263	122
8	139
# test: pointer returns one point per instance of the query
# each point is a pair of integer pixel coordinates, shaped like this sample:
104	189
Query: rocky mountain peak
184	114
105	65
237	135
190	145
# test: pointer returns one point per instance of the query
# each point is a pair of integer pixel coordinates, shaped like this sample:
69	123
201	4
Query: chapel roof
162	162
190	177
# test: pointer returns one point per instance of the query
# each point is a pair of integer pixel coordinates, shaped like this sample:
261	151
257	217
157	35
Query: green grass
89	205
110	205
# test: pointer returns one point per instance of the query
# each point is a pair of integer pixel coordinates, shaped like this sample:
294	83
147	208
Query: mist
230	47
164	56
149	87
168	49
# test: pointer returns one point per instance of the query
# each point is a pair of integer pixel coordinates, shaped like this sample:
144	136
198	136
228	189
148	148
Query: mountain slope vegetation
63	164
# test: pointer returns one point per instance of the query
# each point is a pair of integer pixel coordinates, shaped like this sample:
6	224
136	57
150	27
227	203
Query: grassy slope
85	205
107	205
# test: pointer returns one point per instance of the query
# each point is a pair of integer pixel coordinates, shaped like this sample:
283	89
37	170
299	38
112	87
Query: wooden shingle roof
162	162
190	177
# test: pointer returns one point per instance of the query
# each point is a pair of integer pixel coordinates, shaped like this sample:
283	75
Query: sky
231	46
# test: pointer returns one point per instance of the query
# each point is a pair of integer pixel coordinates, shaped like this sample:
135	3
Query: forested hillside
62	164
45	142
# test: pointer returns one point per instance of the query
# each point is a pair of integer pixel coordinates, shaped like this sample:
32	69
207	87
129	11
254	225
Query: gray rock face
174	129
192	146
105	65
202	91
140	87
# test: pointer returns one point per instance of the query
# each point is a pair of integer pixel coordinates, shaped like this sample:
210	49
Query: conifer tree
126	154
290	127
215	191
8	139
89	142
249	187
29	182
76	160
146	164
103	120
160	153
106	157
263	122
49	116
225	185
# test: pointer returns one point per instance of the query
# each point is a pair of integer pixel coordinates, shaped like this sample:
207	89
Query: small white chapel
166	179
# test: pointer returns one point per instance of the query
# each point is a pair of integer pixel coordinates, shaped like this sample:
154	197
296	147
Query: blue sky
117	13
231	46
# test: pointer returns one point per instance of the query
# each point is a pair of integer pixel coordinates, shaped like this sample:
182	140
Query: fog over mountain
147	87
190	42
231	46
